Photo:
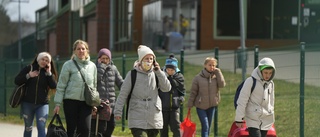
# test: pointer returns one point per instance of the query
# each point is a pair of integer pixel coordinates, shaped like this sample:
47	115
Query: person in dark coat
40	79
172	100
108	77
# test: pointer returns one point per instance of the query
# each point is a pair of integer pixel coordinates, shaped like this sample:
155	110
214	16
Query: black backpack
236	96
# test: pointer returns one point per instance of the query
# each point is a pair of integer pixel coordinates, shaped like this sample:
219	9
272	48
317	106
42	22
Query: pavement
14	130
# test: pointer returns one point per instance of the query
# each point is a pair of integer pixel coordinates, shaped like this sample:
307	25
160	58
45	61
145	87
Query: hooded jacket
145	104
257	108
71	84
205	89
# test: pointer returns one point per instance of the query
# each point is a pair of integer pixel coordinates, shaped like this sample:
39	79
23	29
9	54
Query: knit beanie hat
104	51
42	55
172	62
143	51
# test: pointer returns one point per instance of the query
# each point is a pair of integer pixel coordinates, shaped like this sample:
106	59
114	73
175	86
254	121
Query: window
227	18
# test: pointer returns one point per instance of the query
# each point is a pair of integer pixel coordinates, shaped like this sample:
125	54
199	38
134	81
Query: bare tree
8	30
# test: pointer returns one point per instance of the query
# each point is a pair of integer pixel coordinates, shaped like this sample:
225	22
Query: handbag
91	95
104	111
17	94
56	130
187	127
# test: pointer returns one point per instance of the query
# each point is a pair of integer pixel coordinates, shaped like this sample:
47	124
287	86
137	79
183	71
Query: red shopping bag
187	127
235	131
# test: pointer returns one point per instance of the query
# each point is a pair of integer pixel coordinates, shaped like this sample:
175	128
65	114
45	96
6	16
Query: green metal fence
297	74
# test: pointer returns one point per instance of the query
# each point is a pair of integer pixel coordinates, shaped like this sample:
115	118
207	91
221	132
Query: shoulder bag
91	95
17	94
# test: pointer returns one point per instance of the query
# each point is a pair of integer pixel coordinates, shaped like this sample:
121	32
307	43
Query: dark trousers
254	132
104	127
78	117
171	119
138	132
111	124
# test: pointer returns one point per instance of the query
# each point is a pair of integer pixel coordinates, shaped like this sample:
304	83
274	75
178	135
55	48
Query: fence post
256	55
302	72
123	74
182	71
215	128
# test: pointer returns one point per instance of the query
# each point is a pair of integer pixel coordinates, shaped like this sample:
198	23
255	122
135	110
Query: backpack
133	82
236	96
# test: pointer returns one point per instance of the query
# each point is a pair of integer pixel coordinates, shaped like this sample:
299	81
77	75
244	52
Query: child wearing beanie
172	62
172	101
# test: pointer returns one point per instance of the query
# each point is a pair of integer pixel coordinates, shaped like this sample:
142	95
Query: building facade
122	25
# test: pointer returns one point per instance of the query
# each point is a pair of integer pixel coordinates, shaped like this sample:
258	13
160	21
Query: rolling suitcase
243	132
96	127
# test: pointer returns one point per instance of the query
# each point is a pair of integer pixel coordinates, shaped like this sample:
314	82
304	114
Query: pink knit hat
104	51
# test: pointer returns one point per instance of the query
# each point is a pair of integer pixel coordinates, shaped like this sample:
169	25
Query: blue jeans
29	110
205	117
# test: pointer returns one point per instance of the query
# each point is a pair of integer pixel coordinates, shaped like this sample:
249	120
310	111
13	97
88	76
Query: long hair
53	71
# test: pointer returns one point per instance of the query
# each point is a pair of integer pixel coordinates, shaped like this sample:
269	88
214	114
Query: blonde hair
75	44
211	59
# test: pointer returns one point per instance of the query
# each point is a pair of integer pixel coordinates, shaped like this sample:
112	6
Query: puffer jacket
205	89
37	88
145	104
108	77
70	83
172	100
257	108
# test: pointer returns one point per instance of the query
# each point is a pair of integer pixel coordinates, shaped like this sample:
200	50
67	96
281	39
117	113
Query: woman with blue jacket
70	90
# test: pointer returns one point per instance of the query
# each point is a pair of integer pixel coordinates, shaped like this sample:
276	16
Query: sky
28	9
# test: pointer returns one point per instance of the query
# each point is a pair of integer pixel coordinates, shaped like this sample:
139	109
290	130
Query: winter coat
172	100
145	104
205	89
37	88
108	77
70	83
257	108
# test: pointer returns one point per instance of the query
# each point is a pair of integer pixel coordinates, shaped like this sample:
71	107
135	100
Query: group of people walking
155	93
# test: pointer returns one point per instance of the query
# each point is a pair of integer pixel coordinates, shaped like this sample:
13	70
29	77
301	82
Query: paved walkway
14	130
